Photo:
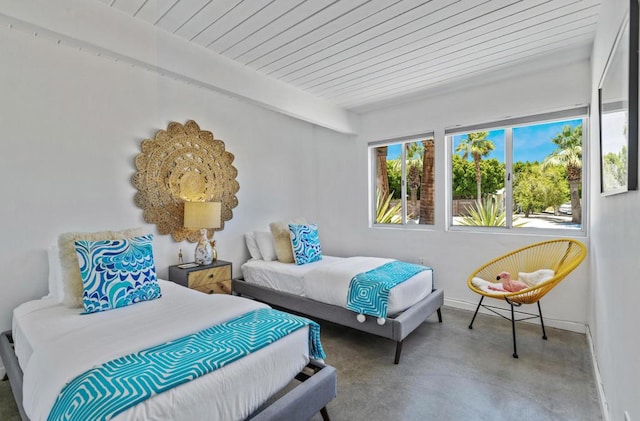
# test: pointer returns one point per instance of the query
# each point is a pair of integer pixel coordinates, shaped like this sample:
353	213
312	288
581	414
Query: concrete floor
448	372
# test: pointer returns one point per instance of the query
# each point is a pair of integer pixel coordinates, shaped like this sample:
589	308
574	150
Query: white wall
613	317
453	255
72	124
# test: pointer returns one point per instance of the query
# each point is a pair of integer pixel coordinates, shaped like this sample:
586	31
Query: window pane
419	167
478	174
388	184
547	169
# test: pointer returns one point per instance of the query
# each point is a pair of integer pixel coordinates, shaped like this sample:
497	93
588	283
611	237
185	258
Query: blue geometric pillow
305	243
117	273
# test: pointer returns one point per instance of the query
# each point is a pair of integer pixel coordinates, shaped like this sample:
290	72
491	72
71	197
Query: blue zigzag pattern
369	291
107	390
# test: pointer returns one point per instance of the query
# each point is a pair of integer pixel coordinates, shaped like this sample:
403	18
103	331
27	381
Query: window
521	173
403	181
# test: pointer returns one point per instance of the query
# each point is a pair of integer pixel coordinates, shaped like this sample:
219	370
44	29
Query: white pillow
252	245
56	287
534	278
266	246
484	285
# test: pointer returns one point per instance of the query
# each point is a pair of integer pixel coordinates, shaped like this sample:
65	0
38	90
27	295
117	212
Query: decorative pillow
537	277
71	279
252	245
305	243
264	239
281	239
117	273
486	285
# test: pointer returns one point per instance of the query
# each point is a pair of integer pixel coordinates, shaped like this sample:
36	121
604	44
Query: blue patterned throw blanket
369	291
107	390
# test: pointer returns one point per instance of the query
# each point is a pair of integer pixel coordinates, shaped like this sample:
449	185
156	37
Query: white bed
327	280
319	290
54	344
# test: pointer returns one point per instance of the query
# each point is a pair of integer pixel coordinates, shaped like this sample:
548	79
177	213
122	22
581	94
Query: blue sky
530	143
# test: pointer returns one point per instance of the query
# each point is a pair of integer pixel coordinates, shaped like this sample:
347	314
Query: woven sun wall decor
183	163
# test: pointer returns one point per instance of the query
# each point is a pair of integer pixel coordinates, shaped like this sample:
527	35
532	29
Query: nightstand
210	279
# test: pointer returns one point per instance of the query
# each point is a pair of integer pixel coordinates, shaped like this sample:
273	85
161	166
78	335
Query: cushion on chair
484	286
537	277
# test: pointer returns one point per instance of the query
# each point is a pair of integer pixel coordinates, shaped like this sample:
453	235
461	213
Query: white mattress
328	280
54	344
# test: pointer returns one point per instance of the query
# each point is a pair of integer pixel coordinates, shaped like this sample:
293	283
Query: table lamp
202	215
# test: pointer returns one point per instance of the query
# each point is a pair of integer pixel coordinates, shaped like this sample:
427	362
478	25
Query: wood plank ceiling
354	53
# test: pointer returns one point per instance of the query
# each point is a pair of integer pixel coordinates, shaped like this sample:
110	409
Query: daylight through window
404	182
524	173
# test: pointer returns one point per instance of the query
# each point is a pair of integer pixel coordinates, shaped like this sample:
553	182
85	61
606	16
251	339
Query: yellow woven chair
561	255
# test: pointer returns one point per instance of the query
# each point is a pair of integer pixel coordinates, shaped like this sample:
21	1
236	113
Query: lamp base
204	252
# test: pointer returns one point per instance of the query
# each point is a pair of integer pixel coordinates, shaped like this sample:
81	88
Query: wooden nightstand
210	279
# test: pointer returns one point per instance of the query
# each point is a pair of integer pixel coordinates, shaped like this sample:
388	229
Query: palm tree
477	146
427	188
414	168
382	178
413	183
569	154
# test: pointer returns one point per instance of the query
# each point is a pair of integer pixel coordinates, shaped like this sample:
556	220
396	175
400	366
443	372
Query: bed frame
396	328
317	388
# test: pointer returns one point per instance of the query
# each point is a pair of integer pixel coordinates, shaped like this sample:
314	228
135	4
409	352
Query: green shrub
487	214
386	214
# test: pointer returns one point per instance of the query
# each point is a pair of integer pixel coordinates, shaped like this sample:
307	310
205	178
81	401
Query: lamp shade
200	215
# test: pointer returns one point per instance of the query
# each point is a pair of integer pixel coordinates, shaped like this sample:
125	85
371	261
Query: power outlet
627	417
421	260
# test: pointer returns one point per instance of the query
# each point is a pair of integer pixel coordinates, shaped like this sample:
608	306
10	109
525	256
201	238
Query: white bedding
54	344
328	280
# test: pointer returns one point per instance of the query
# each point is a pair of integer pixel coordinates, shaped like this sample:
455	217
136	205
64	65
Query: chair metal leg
476	313
513	328
544	334
398	352
439	316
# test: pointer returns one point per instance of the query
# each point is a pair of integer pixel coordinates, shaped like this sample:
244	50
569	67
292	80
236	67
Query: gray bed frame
396	328
317	388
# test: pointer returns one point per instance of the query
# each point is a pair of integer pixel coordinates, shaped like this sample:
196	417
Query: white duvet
54	344
328	280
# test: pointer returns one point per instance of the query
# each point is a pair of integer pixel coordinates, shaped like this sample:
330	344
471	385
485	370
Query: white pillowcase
56	287
266	245
252	245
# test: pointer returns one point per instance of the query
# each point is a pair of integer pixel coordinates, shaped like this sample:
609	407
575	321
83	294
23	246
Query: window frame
508	125
371	146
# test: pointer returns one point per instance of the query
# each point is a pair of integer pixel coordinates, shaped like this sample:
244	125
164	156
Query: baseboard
560	324
602	398
3	372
